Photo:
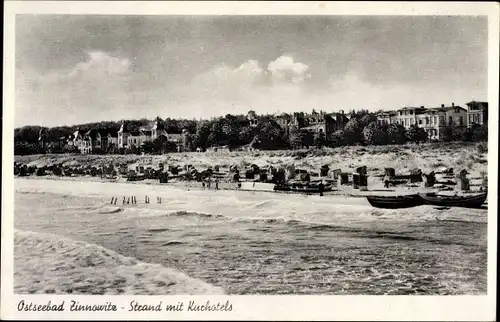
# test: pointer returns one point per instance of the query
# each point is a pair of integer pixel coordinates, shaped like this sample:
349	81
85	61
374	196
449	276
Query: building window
419	121
450	120
461	120
411	112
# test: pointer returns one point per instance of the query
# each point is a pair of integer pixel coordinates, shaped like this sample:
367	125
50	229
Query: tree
245	135
353	132
295	138
270	134
479	133
320	139
374	134
396	134
148	147
70	149
200	139
172	125
453	133
416	134
367	119
307	138
338	138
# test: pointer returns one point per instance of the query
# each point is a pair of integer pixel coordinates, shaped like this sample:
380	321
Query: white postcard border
424	308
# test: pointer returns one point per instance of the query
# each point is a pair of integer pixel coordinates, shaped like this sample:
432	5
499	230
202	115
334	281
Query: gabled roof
93	133
447	108
106	132
147	127
75	135
476	102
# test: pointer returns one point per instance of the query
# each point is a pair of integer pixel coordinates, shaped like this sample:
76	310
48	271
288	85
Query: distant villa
95	139
434	120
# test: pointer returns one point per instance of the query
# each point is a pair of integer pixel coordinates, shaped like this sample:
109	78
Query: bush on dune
482	148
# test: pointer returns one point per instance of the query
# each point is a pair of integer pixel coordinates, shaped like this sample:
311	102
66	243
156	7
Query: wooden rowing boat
475	201
395	202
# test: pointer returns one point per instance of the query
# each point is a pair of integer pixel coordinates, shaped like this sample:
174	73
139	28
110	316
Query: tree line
235	131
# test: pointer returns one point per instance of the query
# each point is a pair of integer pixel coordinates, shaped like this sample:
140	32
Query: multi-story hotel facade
433	120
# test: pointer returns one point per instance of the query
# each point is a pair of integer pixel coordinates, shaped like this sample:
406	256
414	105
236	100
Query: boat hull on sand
475	201
395	202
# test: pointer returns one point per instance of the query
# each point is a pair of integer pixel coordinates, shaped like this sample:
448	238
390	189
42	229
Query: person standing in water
321	187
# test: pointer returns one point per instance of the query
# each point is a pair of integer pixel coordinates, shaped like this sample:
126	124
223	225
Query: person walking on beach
321	187
208	182
216	184
386	181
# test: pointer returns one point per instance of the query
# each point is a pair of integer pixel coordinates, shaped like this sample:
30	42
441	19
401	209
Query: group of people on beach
208	183
132	200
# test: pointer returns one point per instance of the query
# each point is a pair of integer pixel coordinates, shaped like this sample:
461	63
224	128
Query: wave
393	232
174	242
110	210
184	213
263	204
53	264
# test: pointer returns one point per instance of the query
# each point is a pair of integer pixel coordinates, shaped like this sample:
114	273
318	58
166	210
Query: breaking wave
182	213
53	264
110	210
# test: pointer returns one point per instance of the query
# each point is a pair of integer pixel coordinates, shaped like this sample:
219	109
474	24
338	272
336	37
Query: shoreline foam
53	264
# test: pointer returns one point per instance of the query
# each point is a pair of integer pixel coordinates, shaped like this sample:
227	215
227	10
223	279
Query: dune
427	157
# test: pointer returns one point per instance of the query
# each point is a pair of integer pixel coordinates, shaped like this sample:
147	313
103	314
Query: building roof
447	108
148	126
387	113
93	133
106	132
312	127
476	102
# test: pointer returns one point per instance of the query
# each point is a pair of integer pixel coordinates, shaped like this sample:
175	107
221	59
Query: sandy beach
236	241
427	157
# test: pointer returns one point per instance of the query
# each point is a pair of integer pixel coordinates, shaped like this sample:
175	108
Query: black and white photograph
219	155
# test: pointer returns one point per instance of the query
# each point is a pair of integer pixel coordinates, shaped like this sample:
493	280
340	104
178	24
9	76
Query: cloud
283	86
97	89
105	87
101	63
284	68
249	86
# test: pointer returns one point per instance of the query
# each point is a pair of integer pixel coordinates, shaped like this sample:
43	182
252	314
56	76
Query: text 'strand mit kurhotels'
134	306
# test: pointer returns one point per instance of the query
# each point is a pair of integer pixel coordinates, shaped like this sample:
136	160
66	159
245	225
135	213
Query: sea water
239	243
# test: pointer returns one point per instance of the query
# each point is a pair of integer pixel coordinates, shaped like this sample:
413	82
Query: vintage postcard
250	160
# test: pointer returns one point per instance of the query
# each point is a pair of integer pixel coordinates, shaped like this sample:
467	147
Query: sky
72	69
